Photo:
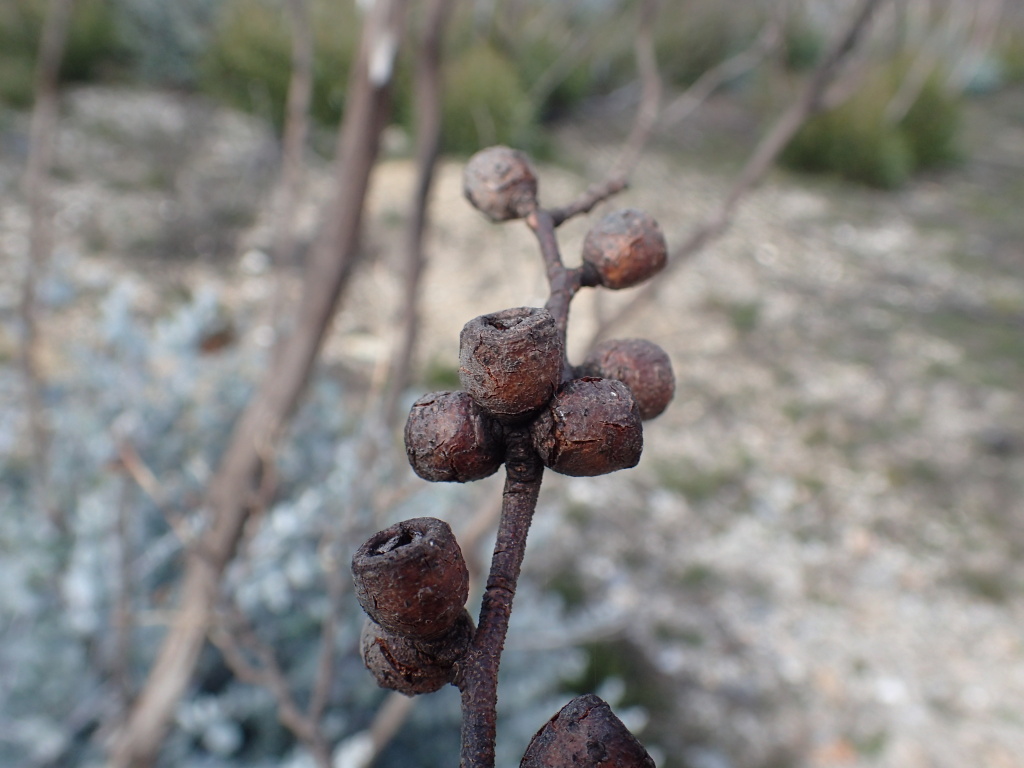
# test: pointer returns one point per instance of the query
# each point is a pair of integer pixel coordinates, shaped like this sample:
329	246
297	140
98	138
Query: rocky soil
820	560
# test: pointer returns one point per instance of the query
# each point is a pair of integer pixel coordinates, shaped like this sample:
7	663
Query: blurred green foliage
1010	52
166	40
247	62
932	126
557	80
692	37
488	77
802	44
94	45
856	141
485	102
508	68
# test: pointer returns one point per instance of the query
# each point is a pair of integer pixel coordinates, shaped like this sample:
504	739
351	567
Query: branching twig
478	671
477	678
585	203
650	92
293	145
686	103
328	631
428	143
329	269
813	99
235	638
124	618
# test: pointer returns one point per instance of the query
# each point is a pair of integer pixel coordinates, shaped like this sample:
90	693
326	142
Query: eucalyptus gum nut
641	365
449	438
511	362
500	183
585	734
591	427
626	247
413	666
411	578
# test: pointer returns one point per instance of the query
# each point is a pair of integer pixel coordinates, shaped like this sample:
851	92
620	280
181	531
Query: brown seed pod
413	666
585	734
591	427
500	183
626	247
641	365
448	438
511	362
411	578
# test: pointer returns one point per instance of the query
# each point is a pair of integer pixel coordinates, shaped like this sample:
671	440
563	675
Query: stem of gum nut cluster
478	675
477	679
563	283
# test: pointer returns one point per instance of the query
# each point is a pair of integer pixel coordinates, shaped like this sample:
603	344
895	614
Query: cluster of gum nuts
411	579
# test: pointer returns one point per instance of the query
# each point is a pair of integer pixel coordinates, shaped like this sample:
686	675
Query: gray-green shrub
856	142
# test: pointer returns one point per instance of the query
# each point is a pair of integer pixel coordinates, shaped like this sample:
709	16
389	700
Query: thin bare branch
646	119
723	73
585	203
328	629
137	469
329	269
427	95
811	101
389	718
124	616
293	144
650	92
237	640
37	191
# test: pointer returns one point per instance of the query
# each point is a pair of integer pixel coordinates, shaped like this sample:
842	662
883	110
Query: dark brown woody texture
500	183
585	734
626	247
413	666
449	438
591	427
511	362
523	405
641	365
411	578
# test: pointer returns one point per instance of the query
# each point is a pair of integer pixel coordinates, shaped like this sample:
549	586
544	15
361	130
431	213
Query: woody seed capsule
448	438
500	183
591	427
626	247
511	362
585	733
641	365
413	666
411	578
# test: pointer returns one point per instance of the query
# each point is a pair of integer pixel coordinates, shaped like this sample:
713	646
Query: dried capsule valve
449	438
411	578
626	247
511	362
500	183
591	427
641	365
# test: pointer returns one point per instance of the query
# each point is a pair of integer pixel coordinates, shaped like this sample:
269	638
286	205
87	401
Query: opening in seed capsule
503	323
400	539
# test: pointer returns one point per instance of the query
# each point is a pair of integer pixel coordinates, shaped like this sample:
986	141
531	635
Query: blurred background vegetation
509	73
